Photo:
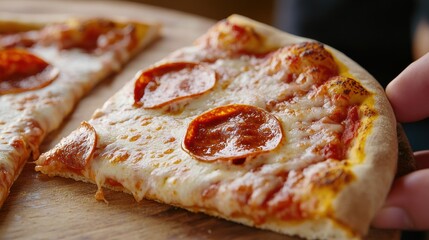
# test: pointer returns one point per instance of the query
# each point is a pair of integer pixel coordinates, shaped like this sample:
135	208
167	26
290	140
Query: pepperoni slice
172	82
22	71
77	149
232	132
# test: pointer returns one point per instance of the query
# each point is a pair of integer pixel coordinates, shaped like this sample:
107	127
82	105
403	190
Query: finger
422	159
408	92
406	206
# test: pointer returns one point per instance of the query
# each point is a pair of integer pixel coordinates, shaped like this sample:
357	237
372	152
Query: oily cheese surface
42	81
30	115
34	199
140	149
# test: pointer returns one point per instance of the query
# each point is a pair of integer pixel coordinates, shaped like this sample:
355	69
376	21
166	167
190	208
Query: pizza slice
249	124
46	66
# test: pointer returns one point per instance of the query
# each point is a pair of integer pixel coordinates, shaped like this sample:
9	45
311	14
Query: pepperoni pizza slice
249	124
45	68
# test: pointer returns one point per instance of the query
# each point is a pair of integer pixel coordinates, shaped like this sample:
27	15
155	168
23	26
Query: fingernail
393	217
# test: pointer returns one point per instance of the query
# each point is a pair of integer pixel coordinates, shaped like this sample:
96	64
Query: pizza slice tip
47	63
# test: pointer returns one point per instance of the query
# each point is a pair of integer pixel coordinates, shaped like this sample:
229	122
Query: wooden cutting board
40	207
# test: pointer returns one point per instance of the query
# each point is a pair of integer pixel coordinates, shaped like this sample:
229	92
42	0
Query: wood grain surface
40	207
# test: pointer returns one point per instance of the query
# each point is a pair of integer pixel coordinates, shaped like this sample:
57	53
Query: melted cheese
47	106
79	72
141	149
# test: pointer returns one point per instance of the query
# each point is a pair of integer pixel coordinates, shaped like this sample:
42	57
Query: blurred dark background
261	10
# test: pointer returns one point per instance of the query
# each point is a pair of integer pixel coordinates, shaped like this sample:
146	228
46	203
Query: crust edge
376	173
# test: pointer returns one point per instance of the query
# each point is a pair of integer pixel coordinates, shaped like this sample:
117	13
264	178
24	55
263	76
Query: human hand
406	206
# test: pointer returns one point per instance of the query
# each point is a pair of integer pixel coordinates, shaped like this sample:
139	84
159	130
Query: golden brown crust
371	175
375	174
14	22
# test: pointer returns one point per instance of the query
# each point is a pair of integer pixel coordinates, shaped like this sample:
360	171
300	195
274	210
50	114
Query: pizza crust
49	105
309	229
167	184
375	174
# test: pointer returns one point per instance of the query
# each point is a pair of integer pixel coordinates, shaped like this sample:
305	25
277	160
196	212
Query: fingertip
393	92
407	93
406	205
392	218
422	159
